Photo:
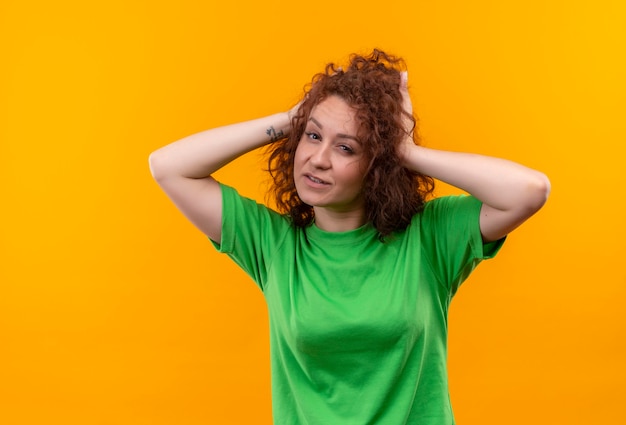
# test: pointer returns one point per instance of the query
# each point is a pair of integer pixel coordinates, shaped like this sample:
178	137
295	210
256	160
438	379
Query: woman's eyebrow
342	135
316	122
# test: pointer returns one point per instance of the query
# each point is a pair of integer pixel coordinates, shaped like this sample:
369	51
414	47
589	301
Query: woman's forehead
335	112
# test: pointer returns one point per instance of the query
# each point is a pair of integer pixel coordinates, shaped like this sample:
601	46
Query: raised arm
510	192
183	169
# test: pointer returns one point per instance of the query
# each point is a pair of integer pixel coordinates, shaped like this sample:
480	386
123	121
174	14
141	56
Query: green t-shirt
358	328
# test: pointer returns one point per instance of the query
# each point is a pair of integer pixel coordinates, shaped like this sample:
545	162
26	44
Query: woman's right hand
293	112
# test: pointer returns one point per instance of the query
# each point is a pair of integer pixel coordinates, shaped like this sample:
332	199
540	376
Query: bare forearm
201	154
499	183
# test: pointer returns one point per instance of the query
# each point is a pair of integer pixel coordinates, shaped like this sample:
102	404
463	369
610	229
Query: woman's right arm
183	169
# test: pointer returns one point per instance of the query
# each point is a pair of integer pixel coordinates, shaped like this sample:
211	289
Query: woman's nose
321	156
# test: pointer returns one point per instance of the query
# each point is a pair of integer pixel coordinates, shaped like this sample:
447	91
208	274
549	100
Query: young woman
357	266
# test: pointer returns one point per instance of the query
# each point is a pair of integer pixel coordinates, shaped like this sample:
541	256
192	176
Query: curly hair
371	86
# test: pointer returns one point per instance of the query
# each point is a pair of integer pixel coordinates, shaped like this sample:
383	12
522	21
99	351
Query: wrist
411	155
283	121
278	126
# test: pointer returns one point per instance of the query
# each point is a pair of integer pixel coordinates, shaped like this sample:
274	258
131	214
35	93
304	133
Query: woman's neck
334	221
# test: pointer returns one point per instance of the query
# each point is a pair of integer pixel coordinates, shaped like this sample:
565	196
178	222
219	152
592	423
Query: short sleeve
250	233
451	238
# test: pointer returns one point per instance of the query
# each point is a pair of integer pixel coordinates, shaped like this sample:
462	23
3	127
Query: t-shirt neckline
316	234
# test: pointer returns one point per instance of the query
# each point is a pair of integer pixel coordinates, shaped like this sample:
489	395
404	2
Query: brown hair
371	85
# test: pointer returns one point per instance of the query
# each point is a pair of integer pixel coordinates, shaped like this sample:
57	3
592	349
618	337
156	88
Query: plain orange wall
114	310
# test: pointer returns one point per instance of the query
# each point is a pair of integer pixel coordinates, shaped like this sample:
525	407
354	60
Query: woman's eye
312	135
346	148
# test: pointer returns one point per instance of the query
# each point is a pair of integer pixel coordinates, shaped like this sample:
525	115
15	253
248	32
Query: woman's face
329	163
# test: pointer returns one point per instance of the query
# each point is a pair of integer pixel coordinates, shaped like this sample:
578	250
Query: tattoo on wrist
274	135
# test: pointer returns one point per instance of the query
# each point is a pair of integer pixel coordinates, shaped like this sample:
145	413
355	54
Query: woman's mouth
315	179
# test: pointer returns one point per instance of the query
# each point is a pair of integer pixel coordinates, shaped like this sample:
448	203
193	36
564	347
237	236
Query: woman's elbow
538	190
158	165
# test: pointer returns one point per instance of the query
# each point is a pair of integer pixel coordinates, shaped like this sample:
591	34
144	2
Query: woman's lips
315	180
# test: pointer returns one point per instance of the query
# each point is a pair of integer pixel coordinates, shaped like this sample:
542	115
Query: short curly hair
371	86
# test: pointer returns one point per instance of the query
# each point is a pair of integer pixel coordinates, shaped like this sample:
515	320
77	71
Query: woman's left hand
407	118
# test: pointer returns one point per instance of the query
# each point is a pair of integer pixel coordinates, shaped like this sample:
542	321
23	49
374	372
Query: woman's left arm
510	192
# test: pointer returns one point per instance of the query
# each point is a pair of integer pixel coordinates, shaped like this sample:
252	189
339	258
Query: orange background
114	310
